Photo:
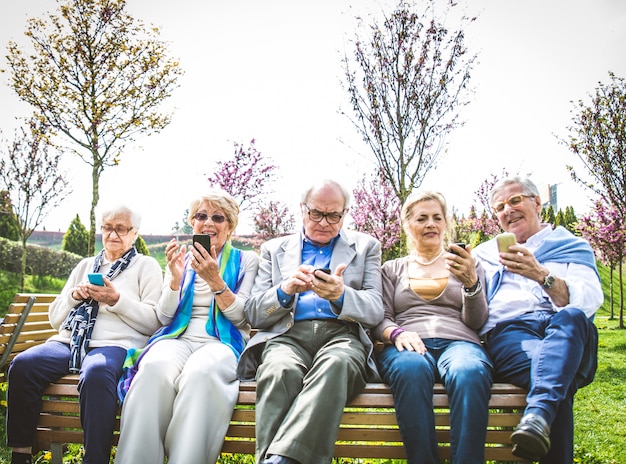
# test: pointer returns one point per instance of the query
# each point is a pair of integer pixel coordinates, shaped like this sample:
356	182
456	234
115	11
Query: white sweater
130	321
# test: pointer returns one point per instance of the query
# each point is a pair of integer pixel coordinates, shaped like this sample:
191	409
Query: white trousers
179	404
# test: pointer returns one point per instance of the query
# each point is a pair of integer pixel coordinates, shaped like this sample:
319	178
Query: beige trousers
179	404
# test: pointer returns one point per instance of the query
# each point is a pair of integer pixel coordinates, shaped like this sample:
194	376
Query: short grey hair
528	187
324	183
122	210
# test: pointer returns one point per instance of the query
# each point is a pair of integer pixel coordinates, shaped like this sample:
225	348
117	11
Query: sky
271	71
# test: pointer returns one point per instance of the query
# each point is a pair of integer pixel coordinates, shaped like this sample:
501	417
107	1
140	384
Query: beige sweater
130	321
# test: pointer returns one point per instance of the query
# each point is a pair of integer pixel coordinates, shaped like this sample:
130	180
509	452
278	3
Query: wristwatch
548	281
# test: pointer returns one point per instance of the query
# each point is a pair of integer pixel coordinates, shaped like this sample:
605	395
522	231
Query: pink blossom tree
605	230
274	220
476	228
245	176
376	211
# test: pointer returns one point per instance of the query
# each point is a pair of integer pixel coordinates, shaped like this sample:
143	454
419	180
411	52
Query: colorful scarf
231	271
82	318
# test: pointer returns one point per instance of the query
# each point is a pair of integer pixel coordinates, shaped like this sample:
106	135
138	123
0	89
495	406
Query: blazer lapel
289	256
344	250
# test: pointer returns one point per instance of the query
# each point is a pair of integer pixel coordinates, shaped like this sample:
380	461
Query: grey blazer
280	258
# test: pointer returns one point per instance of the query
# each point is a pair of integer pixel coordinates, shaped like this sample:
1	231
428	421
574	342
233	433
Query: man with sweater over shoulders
543	293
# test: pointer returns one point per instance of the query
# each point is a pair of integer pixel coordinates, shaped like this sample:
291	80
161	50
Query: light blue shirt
517	294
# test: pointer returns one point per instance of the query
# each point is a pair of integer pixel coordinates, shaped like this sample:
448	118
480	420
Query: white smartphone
505	240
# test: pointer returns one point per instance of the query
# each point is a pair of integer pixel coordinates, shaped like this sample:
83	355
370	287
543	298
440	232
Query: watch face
548	282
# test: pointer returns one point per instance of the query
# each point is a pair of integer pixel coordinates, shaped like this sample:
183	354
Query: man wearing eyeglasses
543	293
314	295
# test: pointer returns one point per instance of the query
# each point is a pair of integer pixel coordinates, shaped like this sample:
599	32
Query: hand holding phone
204	240
459	244
96	279
325	270
505	240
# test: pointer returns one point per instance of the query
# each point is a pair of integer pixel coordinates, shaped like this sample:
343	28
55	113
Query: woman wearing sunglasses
178	394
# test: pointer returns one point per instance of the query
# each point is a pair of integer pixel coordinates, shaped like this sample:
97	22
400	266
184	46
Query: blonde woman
434	302
181	399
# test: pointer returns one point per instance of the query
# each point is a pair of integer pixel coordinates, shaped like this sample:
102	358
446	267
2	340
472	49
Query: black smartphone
96	279
325	270
462	245
204	240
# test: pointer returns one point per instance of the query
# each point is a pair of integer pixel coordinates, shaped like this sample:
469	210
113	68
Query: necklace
428	263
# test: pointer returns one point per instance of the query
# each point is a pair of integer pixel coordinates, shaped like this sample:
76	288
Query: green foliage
548	215
10	284
141	246
76	239
9	227
186	228
40	261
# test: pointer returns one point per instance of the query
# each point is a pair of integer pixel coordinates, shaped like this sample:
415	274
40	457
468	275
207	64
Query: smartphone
462	245
325	270
505	240
204	240
96	279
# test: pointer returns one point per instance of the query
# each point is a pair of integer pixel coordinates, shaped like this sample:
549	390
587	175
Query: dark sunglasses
216	218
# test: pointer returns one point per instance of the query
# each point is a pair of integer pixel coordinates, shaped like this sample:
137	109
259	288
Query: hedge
40	261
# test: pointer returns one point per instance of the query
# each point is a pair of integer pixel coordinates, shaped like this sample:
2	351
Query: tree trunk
95	197
23	266
621	293
611	300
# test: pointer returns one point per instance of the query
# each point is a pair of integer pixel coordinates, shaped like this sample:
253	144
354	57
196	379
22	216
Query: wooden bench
26	324
369	428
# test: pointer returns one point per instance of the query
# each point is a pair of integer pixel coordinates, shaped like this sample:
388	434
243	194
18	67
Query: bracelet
219	292
473	290
394	334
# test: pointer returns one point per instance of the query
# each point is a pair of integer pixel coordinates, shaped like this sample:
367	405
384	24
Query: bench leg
57	453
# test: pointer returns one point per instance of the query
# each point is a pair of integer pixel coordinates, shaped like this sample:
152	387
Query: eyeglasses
317	216
121	231
513	201
216	218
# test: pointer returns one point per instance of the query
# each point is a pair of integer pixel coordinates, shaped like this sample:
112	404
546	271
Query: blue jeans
465	370
542	351
32	370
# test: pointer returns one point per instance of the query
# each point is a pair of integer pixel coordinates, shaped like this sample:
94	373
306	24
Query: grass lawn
600	408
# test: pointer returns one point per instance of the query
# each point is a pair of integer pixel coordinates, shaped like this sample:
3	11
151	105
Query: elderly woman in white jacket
180	401
97	324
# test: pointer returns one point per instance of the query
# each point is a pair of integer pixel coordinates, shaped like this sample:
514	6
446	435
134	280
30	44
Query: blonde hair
221	200
417	197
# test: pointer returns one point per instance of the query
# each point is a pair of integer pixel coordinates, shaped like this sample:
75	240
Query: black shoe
531	438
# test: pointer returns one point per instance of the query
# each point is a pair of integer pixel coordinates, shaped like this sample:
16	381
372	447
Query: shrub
40	261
